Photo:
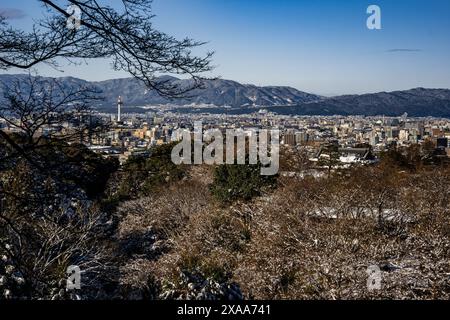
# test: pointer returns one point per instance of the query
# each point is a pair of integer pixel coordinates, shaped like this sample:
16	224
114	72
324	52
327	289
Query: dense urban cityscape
132	134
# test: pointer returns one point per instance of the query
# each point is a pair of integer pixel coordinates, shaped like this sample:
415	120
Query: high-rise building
289	138
301	137
119	107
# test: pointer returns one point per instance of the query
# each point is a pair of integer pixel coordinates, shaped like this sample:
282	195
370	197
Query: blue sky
319	46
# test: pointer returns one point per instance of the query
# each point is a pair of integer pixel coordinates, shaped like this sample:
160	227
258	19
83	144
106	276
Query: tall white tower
119	107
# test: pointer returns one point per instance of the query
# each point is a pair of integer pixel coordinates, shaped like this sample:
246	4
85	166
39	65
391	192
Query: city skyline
323	48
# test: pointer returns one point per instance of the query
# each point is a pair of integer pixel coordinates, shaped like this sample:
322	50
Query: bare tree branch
126	36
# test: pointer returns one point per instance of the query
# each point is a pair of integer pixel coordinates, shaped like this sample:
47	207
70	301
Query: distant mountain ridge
219	93
215	92
228	96
418	102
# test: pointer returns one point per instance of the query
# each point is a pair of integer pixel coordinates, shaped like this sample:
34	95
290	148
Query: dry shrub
43	230
206	254
296	252
309	239
172	235
165	214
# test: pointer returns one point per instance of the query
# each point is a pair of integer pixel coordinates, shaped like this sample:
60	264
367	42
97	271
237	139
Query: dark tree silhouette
49	184
36	108
125	36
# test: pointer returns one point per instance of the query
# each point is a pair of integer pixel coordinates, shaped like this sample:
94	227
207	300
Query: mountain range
418	102
218	96
219	93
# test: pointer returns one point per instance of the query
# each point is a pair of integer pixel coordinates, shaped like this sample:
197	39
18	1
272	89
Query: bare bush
308	239
43	231
296	253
